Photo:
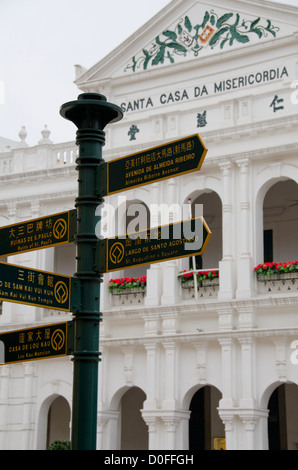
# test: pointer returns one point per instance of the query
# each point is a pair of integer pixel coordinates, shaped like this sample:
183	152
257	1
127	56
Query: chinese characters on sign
158	244
35	343
39	233
34	287
156	164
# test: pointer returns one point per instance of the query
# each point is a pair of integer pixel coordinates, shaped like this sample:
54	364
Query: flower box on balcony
204	278
278	277
207	284
128	285
274	271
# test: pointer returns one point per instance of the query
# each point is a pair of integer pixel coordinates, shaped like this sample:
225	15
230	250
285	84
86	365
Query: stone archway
206	430
58	424
280	221
283	418
134	431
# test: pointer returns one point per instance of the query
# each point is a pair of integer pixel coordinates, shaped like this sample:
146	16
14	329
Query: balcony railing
128	290
199	283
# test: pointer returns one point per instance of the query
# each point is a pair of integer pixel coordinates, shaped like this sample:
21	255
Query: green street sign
40	342
156	164
163	243
52	230
34	287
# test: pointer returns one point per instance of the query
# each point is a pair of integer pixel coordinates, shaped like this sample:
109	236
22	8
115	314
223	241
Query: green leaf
206	18
170	34
217	35
176	46
159	58
134	64
268	28
147	58
187	24
235	34
222	19
170	57
252	29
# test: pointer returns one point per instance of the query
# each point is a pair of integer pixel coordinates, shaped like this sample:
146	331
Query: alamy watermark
135	219
294	355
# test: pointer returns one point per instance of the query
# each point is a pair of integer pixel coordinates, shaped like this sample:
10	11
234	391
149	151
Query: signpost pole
90	113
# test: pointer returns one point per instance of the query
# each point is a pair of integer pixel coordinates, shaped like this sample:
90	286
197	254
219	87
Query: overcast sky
41	41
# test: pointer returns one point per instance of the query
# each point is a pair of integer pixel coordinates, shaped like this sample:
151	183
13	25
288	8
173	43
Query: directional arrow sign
52	230
35	343
158	163
34	287
177	240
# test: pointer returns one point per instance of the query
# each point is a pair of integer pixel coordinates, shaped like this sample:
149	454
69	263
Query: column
152	374
152	422
109	431
228	420
245	274
4	383
171	286
170	376
228	372
248	372
226	265
29	369
176	427
249	422
171	423
154	275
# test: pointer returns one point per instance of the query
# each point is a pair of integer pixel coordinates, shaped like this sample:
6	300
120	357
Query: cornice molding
206	336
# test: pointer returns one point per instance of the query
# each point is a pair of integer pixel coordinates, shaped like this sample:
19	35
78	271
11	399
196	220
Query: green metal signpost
90	113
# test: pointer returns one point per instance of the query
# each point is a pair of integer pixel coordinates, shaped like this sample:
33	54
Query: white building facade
182	368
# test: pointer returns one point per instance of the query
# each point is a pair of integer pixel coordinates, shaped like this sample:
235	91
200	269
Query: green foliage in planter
127	283
201	276
268	269
59	445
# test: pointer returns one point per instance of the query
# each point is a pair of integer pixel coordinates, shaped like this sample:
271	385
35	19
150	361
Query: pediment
191	31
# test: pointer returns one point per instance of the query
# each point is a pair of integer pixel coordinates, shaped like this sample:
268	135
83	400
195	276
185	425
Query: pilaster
226	265
245	279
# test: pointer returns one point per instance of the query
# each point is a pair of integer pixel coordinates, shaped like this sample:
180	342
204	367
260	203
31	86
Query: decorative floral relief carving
188	38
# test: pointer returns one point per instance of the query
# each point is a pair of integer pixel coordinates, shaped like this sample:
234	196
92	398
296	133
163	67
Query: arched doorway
283	418
280	220
208	204
58	423
132	216
134	431
206	430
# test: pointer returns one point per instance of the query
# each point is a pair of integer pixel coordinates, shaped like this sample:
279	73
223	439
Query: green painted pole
90	113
